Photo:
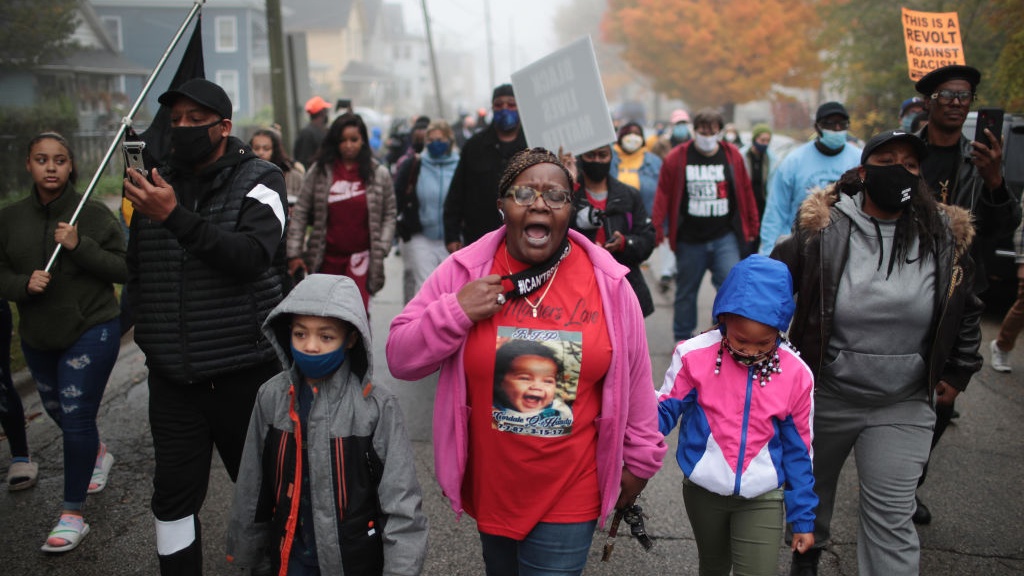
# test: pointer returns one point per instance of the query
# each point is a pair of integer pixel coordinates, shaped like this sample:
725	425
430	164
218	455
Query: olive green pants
735	533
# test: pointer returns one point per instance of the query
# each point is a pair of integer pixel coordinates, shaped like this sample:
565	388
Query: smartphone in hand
133	156
992	119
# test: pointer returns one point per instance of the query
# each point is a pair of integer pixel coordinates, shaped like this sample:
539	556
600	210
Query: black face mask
749	360
890	187
596	171
192	144
417	146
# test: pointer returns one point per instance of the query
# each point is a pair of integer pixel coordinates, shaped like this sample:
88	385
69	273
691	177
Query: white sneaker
1000	359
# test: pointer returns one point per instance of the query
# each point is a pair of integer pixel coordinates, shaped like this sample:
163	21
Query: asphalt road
973	487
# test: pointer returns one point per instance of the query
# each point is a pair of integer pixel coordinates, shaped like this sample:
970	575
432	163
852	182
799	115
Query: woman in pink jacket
539	477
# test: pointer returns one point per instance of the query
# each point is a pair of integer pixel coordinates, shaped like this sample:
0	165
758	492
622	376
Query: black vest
194	320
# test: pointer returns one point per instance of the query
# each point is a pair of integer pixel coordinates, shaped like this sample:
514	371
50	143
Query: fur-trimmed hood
816	214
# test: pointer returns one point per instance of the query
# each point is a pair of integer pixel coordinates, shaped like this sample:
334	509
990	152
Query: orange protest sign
933	40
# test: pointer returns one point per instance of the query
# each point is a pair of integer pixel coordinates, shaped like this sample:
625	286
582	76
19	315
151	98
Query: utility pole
512	45
433	61
278	90
490	43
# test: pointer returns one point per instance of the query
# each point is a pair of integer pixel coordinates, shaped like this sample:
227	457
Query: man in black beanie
469	209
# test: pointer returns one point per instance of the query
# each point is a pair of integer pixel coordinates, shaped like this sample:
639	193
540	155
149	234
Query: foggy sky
523	32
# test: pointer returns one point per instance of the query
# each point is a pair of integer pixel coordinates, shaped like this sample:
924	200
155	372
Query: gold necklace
541	299
534	307
944	191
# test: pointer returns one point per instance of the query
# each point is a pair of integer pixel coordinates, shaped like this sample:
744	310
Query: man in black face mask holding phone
612	214
206	263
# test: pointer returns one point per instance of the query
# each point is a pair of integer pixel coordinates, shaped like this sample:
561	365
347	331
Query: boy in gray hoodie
323	427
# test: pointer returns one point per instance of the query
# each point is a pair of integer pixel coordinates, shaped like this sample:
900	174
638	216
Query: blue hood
760	289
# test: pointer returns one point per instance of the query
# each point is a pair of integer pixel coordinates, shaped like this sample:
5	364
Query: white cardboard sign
561	100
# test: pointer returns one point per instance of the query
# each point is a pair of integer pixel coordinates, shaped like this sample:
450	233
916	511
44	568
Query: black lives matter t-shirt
705	212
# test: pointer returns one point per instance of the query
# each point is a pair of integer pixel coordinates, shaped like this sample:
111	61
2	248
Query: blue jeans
71	384
692	260
548	550
12	413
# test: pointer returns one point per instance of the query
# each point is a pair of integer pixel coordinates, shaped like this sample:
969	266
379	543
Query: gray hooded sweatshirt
365	498
890	365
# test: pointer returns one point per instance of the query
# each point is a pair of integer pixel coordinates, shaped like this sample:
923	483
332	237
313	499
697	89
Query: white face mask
706	144
632	142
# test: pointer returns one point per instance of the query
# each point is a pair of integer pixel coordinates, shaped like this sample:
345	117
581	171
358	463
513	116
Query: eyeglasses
835	125
526	196
945	97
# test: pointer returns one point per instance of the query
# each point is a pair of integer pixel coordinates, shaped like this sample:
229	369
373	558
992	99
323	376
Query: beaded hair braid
523	160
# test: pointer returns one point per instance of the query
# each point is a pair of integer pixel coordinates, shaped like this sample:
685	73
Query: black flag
157	136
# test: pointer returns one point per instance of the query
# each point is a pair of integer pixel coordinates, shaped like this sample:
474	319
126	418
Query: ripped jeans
71	384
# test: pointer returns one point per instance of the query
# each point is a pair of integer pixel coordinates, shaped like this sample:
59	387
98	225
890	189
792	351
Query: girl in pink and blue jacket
746	403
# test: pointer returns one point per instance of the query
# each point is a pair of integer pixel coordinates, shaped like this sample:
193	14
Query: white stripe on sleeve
270	198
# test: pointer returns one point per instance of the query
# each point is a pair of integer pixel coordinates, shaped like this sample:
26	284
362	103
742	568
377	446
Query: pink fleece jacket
430	335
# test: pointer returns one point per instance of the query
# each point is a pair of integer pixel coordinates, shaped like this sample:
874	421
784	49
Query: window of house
112	26
228	80
227	33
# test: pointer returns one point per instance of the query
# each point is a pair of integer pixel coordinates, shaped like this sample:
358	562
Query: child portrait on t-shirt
530	392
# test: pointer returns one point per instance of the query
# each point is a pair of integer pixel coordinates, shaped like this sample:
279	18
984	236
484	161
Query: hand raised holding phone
988	146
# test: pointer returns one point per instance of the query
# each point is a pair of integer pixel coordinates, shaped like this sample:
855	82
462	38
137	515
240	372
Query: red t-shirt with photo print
538	466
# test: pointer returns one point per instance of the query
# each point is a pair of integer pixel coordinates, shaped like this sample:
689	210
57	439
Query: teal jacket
81	293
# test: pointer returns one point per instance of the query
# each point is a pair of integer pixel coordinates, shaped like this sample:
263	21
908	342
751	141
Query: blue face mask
761	148
906	122
506	120
833	139
317	366
437	148
681	132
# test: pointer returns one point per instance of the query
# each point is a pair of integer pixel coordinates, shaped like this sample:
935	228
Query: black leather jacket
996	212
816	254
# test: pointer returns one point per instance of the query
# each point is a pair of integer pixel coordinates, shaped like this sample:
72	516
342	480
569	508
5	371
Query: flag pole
126	122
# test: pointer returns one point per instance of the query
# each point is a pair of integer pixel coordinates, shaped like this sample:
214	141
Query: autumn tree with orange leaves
718	53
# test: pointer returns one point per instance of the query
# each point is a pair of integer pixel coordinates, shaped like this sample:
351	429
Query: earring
501	213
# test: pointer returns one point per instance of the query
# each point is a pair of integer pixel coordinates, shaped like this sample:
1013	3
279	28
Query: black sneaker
922	515
805	564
